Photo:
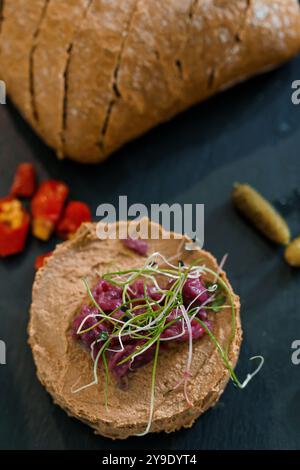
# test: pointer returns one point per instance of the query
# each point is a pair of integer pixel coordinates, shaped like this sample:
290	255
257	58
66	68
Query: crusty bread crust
20	24
61	363
90	75
50	65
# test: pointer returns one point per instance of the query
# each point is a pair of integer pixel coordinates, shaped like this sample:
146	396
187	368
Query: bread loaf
90	75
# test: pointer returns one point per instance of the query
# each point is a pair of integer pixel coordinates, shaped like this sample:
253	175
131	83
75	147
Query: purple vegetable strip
139	246
109	298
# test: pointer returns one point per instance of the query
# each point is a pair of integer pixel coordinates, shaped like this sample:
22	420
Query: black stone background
250	133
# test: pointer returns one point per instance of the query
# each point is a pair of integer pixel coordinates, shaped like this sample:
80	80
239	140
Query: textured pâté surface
62	364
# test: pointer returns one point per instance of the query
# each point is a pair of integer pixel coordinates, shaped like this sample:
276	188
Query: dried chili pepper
14	226
24	183
74	215
40	260
47	206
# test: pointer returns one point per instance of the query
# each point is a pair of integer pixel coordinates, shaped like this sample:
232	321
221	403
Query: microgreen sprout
103	335
145	318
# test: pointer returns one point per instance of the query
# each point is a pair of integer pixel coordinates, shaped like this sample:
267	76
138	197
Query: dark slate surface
251	133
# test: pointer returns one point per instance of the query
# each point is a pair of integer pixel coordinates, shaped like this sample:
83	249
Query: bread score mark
165	308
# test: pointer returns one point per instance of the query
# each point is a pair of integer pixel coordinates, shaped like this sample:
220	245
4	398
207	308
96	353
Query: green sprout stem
148	318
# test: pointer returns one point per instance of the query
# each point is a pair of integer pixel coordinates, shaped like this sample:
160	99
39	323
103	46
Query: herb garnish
152	317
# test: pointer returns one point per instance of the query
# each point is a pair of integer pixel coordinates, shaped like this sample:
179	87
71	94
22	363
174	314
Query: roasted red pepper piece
24	183
40	260
74	215
14	226
47	206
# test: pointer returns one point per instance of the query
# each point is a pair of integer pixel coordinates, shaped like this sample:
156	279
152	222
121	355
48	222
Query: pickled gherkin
292	253
261	213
